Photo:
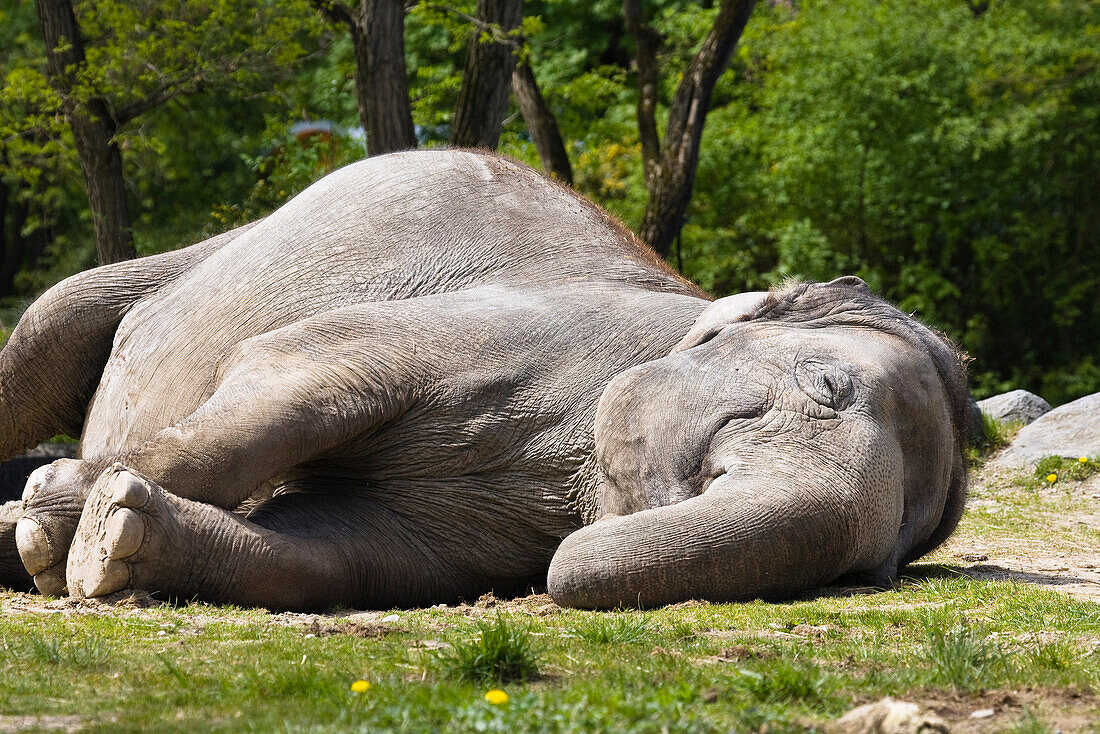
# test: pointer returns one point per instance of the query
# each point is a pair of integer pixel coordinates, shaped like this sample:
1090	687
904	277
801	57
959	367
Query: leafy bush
995	436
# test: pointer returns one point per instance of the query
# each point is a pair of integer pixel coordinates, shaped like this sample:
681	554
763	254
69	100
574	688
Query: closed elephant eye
826	384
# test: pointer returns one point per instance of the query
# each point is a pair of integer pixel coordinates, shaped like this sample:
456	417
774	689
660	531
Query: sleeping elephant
436	373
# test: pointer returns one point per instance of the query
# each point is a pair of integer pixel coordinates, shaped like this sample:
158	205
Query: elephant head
789	439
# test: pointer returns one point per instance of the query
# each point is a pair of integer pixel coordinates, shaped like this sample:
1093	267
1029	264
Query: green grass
1053	469
503	651
621	628
994	437
936	636
698	667
963	657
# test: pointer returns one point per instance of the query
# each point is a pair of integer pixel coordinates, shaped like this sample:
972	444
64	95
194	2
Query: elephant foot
121	530
52	502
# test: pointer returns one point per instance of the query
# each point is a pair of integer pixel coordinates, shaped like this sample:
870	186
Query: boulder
1070	430
1018	406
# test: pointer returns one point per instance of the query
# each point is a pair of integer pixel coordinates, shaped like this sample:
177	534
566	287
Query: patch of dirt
487	605
368	625
993	711
1058	560
737	653
41	723
120	604
1061	710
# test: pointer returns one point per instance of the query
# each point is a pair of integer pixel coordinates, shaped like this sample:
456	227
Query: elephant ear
718	315
851	281
744	306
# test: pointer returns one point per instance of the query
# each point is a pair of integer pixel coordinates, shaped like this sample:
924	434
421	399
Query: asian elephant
436	373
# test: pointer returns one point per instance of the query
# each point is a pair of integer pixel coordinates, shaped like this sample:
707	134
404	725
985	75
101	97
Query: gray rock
1017	406
1070	430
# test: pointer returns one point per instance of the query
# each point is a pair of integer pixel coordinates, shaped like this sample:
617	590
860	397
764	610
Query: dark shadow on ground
988	572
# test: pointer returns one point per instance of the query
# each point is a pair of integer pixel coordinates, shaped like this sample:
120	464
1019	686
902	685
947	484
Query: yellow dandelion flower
360	686
1084	459
496	697
1052	478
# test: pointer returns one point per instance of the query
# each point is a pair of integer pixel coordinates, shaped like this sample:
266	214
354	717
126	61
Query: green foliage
944	158
188	84
1053	469
995	436
291	165
503	651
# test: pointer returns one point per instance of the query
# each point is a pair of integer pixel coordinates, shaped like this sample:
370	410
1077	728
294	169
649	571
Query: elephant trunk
734	542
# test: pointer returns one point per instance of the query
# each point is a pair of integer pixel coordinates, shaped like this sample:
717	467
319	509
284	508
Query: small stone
310	636
982	714
888	716
390	619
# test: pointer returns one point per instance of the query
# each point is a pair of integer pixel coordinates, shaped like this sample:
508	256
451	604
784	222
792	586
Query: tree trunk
381	83
486	82
541	124
672	178
93	133
10	245
646	42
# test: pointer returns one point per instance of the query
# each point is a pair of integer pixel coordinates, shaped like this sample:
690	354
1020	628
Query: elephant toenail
125	531
129	491
35	482
50	583
112	576
33	544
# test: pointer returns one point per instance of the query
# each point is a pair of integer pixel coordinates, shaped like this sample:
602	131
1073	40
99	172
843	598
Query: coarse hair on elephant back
848	301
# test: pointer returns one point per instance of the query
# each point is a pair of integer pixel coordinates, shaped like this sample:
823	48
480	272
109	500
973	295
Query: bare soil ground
1053	539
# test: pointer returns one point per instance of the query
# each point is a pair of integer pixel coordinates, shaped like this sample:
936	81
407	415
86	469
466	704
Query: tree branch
541	123
156	98
670	183
336	12
498	34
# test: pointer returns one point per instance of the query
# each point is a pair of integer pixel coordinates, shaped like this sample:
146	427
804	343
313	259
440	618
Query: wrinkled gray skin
414	380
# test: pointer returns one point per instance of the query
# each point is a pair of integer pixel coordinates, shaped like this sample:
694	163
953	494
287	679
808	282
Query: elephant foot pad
120	529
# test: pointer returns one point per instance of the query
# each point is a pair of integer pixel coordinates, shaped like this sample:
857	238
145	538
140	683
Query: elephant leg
52	502
270	413
301	550
12	573
53	361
